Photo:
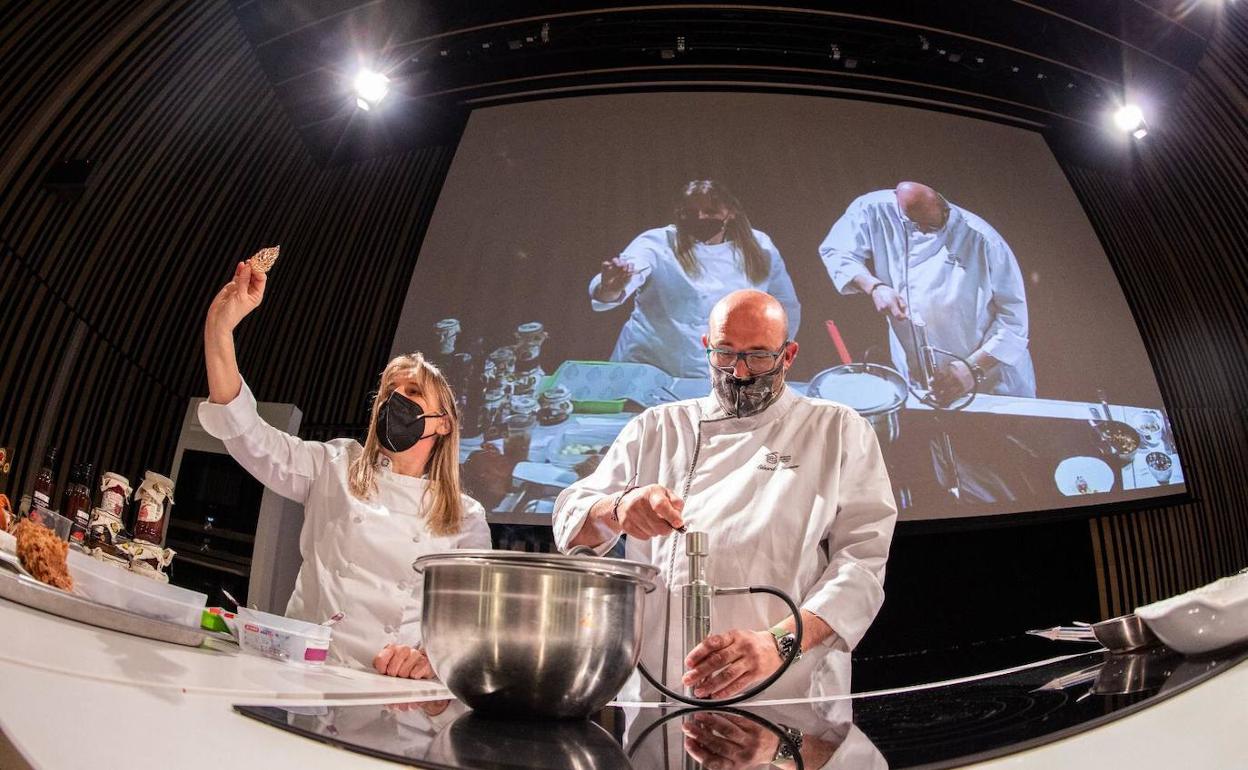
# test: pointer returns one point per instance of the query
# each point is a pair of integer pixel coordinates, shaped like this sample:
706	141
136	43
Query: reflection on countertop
940	725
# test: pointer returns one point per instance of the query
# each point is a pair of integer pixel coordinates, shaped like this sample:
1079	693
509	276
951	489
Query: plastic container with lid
114	586
275	636
54	521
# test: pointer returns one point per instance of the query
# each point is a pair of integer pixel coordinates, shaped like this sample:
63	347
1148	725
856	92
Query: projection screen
563	287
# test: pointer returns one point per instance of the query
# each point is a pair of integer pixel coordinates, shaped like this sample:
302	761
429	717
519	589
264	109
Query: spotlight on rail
1129	118
370	88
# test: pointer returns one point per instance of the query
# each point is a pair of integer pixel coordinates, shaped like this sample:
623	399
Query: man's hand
728	741
403	661
615	276
725	664
952	381
646	512
887	300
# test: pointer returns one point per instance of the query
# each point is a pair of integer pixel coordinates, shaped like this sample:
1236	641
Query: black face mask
401	423
703	230
749	396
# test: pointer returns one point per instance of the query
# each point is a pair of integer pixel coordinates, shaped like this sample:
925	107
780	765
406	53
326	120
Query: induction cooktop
931	726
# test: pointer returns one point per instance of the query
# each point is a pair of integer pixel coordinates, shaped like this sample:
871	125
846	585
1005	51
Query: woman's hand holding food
403	661
616	273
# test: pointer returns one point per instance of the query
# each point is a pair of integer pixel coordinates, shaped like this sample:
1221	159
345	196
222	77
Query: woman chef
680	271
369	510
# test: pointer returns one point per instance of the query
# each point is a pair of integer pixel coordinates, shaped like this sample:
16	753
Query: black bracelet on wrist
615	509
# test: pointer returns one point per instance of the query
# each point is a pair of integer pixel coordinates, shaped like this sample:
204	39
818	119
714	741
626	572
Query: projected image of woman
677	273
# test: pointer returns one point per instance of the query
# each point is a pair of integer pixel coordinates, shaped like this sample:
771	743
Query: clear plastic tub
275	636
114	586
52	520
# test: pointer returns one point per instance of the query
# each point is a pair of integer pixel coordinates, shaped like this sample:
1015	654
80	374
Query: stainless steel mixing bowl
528	634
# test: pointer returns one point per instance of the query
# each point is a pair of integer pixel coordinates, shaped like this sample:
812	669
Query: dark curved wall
195	165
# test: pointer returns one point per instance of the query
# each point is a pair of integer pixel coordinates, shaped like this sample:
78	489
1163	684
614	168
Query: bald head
748	320
922	205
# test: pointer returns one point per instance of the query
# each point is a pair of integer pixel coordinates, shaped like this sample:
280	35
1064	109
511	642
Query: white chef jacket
796	497
669	314
962	280
357	554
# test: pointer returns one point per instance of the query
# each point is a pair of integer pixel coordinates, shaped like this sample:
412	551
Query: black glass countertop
943	725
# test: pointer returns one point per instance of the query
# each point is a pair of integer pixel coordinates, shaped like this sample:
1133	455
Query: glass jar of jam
155	498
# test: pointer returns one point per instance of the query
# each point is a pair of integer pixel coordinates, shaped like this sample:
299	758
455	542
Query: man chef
792	492
941	263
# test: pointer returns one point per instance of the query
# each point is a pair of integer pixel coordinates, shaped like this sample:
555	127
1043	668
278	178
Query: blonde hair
445	511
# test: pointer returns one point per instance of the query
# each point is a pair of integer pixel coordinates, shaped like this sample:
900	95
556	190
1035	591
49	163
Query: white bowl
1202	620
1096	474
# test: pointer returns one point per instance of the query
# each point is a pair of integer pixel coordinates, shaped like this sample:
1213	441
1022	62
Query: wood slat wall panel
195	166
1176	232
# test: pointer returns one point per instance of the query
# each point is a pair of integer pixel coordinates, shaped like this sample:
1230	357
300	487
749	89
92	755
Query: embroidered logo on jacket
774	461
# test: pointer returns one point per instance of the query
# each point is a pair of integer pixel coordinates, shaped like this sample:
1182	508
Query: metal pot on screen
874	391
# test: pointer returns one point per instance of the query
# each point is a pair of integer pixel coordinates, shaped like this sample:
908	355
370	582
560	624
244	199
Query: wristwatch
790	744
979	374
785	641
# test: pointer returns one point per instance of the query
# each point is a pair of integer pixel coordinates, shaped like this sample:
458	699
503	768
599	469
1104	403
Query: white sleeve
616	472
475	530
284	463
641	255
1006	337
847	247
851	590
780	286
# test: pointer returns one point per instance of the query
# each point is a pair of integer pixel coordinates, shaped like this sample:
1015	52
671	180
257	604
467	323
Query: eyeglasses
756	361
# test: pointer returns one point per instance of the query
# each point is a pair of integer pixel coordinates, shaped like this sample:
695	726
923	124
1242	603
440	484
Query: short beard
746	398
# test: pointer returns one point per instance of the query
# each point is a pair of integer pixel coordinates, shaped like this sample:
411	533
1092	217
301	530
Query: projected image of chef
675	275
932	267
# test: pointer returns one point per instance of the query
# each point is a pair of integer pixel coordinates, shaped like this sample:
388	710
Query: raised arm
240	296
284	463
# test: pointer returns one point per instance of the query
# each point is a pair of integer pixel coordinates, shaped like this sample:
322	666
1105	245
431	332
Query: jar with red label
114	494
155	498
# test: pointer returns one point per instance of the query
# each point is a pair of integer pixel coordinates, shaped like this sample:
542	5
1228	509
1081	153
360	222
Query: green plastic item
210	621
613	406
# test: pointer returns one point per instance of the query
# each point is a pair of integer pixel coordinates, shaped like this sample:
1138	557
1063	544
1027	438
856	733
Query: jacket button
389	629
416	539
359	519
402	585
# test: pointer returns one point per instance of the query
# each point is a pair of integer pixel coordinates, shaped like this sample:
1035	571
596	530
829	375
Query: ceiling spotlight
1129	118
370	88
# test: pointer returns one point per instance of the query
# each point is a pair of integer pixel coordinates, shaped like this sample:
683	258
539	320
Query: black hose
931	401
755	718
757	688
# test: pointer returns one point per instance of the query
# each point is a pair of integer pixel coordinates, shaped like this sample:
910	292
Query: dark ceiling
1050	65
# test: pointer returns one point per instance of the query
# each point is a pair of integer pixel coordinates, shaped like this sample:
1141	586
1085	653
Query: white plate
1204	619
1095	471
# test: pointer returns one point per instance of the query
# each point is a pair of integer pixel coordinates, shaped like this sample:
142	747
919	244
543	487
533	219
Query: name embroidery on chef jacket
774	461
